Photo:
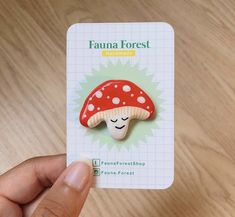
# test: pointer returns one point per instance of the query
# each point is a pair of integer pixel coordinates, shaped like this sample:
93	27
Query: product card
120	102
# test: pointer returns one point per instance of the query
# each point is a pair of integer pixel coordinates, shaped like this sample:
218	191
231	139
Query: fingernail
78	175
85	160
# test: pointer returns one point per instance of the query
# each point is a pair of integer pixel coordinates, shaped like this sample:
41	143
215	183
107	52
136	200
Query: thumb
68	194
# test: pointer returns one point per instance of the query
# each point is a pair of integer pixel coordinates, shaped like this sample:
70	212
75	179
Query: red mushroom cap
115	94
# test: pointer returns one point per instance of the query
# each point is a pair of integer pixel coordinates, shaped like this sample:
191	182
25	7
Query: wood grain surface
33	97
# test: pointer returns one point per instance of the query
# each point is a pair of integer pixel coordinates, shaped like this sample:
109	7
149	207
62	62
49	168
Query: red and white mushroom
116	102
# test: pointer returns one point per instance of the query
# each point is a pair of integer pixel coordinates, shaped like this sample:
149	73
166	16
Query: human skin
43	186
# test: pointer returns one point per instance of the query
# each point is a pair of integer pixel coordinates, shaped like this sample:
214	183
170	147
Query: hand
43	186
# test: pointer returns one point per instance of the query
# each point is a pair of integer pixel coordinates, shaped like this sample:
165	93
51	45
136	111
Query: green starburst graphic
138	130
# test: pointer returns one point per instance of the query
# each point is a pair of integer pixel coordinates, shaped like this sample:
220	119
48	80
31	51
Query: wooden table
33	96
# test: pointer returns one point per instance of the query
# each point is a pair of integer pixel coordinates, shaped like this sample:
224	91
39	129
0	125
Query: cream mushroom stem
118	126
118	119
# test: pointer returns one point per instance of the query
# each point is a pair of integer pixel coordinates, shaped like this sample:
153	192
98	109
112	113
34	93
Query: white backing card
142	53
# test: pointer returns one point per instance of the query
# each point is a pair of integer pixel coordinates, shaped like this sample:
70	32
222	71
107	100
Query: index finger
25	181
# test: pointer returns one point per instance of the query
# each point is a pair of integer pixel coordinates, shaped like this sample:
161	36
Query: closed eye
124	119
114	120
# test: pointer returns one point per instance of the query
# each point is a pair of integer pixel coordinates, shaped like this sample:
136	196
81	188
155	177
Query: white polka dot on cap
141	99
98	94
126	88
91	107
115	100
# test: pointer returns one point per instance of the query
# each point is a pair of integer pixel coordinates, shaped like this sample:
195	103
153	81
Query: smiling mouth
120	127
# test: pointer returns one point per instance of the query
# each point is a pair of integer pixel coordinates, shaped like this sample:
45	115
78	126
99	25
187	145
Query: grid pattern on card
158	150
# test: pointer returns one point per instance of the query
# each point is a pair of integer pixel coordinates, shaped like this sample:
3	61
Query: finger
68	194
8	208
29	208
24	182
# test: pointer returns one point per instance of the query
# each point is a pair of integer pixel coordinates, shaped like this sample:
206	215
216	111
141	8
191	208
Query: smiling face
118	126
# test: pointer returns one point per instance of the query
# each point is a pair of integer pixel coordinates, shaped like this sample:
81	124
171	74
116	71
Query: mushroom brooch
116	102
